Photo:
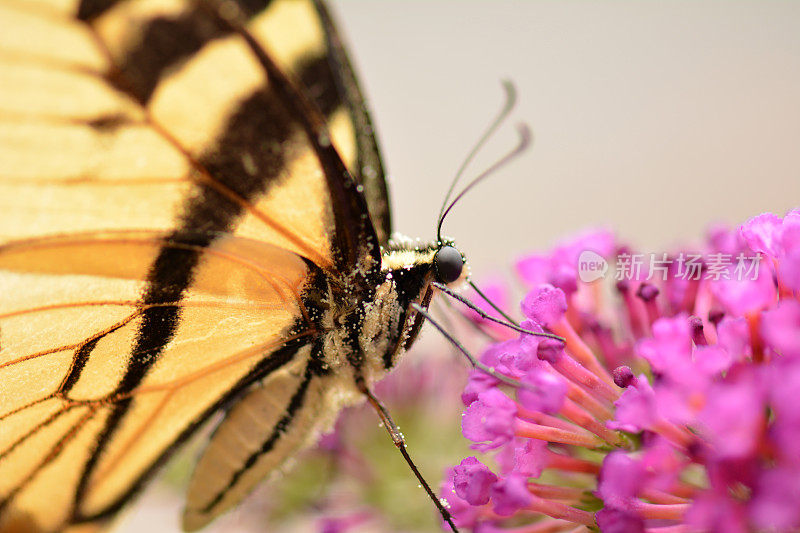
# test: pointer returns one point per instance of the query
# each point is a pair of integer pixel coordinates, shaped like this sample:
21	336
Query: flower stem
581	351
564	512
550	434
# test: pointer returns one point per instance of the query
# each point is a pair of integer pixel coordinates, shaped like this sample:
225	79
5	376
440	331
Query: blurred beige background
655	118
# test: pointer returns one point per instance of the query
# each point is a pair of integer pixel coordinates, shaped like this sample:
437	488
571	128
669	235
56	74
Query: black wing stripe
51	456
164	42
262	116
206	216
167	41
91	9
268	365
354	236
295	404
369	169
319	80
81	357
210	214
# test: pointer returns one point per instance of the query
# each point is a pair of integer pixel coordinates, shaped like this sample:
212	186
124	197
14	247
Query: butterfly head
448	264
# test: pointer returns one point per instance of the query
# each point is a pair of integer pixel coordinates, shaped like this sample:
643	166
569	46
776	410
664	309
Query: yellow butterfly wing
162	206
97	383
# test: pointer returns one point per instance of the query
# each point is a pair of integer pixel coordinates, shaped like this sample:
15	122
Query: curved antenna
524	141
508	105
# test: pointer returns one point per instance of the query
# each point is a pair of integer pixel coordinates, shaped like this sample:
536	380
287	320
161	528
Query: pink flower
620	481
774	504
636	408
479	381
530	458
545	305
733	416
542	391
623	377
558	267
780	328
669	350
726	240
613	520
489	420
789	270
779	239
763	234
662	461
686	388
715	512
472	481
734	336
464	514
510	494
784	432
742	296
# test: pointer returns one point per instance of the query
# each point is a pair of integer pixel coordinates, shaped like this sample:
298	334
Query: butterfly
193	219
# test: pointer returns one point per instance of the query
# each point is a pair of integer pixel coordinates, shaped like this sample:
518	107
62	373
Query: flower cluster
672	406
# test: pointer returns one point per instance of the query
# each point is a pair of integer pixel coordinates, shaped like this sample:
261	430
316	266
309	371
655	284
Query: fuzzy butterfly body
193	216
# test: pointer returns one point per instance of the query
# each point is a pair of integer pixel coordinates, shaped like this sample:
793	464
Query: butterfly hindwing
81	429
162	207
273	422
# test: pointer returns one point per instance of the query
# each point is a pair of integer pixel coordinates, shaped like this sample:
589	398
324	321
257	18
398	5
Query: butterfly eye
449	263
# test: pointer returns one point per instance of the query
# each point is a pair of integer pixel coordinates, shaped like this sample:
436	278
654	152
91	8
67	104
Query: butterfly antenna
483	314
524	141
508	105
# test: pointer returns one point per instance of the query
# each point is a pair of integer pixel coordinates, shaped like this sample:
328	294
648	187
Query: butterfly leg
400	442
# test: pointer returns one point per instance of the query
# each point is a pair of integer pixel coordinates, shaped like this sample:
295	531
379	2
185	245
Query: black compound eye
448	263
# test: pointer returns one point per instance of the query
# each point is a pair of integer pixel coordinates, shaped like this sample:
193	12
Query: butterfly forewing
156	94
161	212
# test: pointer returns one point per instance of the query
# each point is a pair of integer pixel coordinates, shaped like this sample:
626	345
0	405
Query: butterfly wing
161	207
266	427
98	384
368	167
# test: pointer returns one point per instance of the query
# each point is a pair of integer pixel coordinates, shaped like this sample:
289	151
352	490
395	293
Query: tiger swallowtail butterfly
193	215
